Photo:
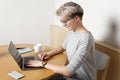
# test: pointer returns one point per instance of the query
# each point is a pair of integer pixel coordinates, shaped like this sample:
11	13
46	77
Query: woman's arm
53	67
46	55
58	69
57	50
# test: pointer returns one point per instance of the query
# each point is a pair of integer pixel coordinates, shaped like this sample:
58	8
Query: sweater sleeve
79	57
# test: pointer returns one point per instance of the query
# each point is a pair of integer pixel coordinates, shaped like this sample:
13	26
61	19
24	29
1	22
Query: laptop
21	61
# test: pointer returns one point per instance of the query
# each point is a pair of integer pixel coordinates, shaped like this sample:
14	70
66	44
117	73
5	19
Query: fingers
29	63
42	56
33	63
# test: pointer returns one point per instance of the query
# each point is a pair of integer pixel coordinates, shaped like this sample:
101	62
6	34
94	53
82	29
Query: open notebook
24	50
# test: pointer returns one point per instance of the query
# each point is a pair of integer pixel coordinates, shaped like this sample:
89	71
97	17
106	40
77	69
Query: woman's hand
34	63
46	55
43	55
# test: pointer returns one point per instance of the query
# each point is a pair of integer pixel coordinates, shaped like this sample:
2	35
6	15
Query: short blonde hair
70	9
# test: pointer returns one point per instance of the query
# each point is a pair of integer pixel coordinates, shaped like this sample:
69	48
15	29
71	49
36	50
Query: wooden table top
8	64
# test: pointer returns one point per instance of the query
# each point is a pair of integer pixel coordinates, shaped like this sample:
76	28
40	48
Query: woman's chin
69	29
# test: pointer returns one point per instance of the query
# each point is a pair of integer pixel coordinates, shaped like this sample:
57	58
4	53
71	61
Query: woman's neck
80	28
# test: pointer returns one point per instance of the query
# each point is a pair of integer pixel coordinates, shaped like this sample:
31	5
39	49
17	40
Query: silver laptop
21	61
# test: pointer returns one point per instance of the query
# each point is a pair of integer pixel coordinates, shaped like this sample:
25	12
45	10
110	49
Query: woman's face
68	22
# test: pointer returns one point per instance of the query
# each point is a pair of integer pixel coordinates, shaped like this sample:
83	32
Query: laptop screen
13	51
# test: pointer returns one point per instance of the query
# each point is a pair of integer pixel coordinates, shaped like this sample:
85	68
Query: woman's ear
77	18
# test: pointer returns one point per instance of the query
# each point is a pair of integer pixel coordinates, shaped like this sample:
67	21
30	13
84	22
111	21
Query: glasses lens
65	21
62	21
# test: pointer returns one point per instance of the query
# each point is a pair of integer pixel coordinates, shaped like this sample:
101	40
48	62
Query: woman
79	46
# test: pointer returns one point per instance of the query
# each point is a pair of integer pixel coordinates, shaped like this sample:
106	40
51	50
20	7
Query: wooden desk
7	64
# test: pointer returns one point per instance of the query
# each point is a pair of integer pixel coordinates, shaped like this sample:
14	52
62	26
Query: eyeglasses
65	21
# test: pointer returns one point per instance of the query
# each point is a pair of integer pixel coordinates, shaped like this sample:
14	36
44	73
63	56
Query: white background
28	21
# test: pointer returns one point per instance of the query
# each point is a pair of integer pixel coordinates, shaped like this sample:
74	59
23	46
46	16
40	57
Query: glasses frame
65	21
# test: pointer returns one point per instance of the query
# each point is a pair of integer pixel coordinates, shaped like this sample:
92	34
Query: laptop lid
13	51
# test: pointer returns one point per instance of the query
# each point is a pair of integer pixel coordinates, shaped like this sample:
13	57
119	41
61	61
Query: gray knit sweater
80	52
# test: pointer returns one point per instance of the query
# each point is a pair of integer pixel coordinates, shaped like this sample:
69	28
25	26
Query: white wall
101	17
26	21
